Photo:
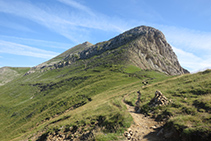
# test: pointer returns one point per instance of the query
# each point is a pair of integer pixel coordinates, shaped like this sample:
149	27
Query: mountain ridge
56	60
143	46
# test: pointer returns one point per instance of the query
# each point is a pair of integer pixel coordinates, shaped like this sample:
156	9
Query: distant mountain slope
72	50
75	49
8	74
60	58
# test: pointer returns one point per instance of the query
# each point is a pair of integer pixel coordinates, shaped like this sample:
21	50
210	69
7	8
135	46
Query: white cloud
35	42
192	47
15	26
38	15
74	25
19	49
77	5
192	62
192	39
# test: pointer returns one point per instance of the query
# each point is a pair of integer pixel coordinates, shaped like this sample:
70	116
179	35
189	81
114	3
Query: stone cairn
137	106
159	100
132	135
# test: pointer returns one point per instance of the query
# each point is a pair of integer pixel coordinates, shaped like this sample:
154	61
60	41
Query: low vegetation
8	74
189	113
86	103
88	98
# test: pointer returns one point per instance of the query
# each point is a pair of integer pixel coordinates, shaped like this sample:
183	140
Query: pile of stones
132	135
159	100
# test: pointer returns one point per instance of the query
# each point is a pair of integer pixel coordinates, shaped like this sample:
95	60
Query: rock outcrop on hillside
143	46
159	100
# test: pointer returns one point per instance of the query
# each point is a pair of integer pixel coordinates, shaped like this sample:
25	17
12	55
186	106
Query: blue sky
34	31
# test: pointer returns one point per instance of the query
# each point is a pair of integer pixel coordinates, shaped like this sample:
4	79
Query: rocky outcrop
159	100
150	50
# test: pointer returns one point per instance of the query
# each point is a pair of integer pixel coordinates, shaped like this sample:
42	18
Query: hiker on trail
138	102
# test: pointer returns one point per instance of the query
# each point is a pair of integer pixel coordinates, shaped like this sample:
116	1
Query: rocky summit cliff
143	46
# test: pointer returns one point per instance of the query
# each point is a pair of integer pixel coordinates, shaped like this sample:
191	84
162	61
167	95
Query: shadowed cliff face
143	46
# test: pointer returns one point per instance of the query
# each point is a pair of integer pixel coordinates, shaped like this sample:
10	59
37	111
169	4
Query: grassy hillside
84	100
75	49
190	113
86	103
71	100
8	74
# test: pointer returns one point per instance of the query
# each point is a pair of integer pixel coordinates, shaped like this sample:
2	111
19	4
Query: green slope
190	112
72	50
42	101
8	74
86	103
62	56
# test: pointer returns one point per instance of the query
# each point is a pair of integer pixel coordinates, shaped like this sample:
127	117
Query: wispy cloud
37	15
86	17
35	42
78	6
15	26
192	62
192	47
19	49
74	25
192	39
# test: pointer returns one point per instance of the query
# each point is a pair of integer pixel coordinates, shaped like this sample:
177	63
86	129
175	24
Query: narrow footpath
144	128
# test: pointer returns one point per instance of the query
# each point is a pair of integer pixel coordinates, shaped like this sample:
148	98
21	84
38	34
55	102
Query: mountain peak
87	43
142	46
141	30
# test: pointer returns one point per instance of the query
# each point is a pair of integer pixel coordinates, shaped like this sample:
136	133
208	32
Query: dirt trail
144	128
